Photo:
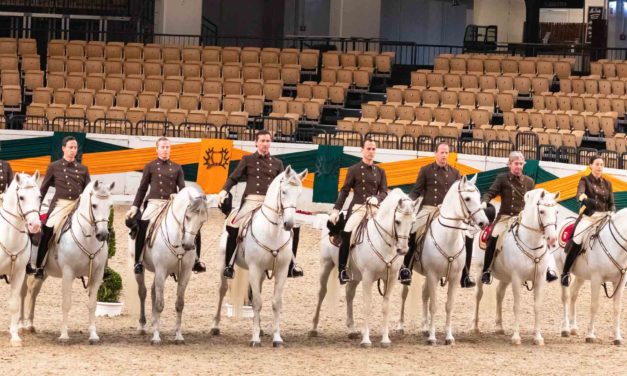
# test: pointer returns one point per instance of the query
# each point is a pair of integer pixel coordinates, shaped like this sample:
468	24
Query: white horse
266	250
443	253
172	253
605	260
82	251
524	260
19	216
377	256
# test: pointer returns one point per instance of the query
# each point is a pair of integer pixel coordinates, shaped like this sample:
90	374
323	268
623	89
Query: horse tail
238	292
413	298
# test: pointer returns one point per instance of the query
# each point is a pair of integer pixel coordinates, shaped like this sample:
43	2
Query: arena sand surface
123	351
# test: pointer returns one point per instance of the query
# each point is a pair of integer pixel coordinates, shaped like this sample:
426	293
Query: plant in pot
108	297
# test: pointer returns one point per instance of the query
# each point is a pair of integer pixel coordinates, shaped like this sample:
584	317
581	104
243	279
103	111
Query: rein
613	231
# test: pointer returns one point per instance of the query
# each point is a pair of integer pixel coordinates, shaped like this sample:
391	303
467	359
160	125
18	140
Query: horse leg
367	292
141	292
618	338
478	296
351	288
450	302
516	285
14	307
327	267
67	279
565	331
33	287
425	308
400	326
385	307
595	291
23	294
277	305
537	302
432	281
180	303
574	291
157	305
224	286
500	295
94	285
255	277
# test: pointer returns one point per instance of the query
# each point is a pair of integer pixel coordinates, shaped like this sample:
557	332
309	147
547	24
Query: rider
69	178
512	187
6	176
369	185
432	184
164	178
595	194
259	170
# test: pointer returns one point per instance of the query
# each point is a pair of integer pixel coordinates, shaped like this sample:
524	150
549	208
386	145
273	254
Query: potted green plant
108	297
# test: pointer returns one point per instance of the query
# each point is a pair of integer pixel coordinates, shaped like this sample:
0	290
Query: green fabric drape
190	171
55	144
93	146
24	148
328	160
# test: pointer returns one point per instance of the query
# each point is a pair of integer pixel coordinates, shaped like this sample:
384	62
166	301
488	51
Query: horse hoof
573	332
179	341
538	342
155	342
93	341
516	341
618	342
354	335
565	333
476	330
215	331
277	344
431	342
401	332
386	345
261	333
141	332
590	340
449	342
313	333
425	333
255	344
64	341
365	345
16	342
500	331
31	329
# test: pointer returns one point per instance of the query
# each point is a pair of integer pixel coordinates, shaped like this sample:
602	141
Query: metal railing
96	7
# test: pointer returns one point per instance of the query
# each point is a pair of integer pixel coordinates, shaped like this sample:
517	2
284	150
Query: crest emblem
216	158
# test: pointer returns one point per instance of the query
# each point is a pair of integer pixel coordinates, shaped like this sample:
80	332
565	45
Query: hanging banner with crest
213	164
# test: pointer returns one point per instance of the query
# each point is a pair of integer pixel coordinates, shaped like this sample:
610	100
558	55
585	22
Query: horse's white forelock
391	200
26	181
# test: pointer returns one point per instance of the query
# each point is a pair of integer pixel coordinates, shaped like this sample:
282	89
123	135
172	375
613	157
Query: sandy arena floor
123	351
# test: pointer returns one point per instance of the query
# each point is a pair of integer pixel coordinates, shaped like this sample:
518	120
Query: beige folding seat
474	66
562	69
232	86
540	85
435	81
192	85
578	85
173	84
505	102
75	81
171	53
197	116
331	59
249	55
42	95
272	89
54	64
467	100
153	83
230	55
591	86
593	125
419	80
441	65
212	86
211	70
271	71
32	80
135	115
177	117
349	60
191	69
253	87
480	117
94	65
171	68
156	115
152	67
289	56
488	84
126	99
545	69
75	48
94	49
231	70
395	93
430	98
423	115
523	85
63	96
453	82
448	99
54	111
134	83
211	102
412	96
95	81
84	97
12	97
104	98
251	71
56	47
211	54
609	70
147	100
238	118
232	103
618	106
457	66
189	101
75	111
383	64
253	104
152	51
133	51
492	67
270	56
577	104
10	77
114	82
290	74
470	83
510	67
320	92
26	46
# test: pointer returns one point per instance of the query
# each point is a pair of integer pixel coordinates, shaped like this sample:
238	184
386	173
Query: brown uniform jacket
6	175
163	177
599	190
365	181
68	178
512	190
258	170
433	182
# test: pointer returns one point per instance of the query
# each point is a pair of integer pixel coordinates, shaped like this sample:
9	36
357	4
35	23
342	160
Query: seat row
586	105
14	46
402	96
357	59
590	85
592	125
498	65
467	82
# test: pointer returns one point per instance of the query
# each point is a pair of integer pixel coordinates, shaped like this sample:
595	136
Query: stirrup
486	278
29	269
295	272
39	273
228	272
139	268
344	277
467	282
550	275
199	267
404	276
565	280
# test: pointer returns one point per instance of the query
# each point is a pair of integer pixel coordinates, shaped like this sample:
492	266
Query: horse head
469	200
99	205
23	199
196	215
541	210
397	214
289	189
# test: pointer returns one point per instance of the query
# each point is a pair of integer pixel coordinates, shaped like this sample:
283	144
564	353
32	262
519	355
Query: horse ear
111	186
542	193
18	178
557	196
96	184
463	179
36	175
288	170
303	174
473	181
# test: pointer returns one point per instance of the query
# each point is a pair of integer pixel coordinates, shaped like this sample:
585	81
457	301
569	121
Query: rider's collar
437	166
162	161
68	163
259	155
512	176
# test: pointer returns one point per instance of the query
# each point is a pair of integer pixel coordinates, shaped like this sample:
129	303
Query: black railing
91	7
209	32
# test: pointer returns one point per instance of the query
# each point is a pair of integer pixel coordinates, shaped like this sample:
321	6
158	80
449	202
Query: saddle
420	240
154	224
63	226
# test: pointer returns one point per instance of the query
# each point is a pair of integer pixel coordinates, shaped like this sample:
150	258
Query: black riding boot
467	281
46	236
572	251
199	266
404	274
294	270
486	277
140	240
343	257
231	244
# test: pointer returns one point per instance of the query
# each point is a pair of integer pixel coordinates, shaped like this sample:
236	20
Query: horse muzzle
102	236
34	226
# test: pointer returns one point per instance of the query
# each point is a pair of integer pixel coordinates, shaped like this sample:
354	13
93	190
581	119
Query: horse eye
398	222
22	198
467	198
94	206
541	211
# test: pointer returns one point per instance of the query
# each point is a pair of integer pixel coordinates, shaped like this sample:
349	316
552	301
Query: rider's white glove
131	212
372	200
222	196
582	197
484	205
334	216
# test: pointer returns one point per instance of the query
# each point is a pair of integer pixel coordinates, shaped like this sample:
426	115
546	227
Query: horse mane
26	180
391	199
